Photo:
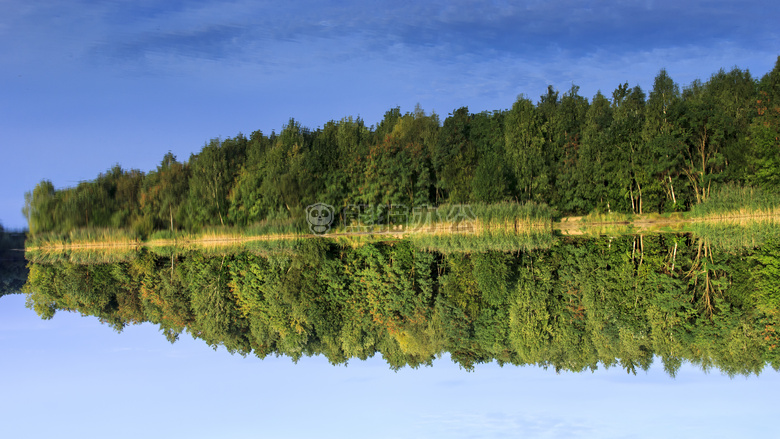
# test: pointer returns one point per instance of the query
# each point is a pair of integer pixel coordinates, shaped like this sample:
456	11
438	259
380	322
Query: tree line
578	305
633	152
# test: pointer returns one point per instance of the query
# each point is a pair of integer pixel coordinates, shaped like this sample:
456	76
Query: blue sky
71	377
88	84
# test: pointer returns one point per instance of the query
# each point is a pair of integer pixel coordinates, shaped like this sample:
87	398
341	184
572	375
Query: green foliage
455	158
493	181
163	197
596	161
767	276
764	131
526	152
213	172
397	170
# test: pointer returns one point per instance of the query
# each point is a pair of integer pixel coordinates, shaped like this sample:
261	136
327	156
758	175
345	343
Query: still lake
594	336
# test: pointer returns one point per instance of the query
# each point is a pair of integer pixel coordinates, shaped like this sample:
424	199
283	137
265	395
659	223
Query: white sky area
86	85
71	377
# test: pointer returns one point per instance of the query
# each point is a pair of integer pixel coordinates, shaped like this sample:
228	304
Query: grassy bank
738	202
445	219
732	216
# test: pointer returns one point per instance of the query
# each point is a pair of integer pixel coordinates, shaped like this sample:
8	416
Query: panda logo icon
320	217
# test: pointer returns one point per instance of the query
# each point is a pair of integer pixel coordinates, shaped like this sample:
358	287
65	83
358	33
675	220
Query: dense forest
577	305
631	151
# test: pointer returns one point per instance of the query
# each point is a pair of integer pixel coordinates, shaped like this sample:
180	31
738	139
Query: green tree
716	119
492	180
39	208
247	204
628	118
764	131
597	167
525	150
455	158
164	195
663	137
213	171
566	127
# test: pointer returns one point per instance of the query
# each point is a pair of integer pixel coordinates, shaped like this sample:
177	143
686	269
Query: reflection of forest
571	306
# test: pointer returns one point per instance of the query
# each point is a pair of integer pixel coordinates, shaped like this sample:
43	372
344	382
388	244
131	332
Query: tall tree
663	136
734	94
213	172
398	169
492	181
39	208
715	120
765	131
525	150
566	138
164	195
628	104
455	158
597	163
246	197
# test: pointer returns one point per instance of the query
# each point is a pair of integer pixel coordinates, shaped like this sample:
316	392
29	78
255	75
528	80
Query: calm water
576	305
660	307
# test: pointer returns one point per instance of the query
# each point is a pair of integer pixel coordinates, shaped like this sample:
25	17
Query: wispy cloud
441	30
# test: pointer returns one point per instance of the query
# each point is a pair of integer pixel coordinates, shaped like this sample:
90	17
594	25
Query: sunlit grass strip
443	219
473	236
738	233
460	216
490	232
741	214
599	218
735	201
88	237
737	217
607	218
618	224
477	226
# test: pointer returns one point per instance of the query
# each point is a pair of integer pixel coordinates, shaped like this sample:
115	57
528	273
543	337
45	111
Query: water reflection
576	304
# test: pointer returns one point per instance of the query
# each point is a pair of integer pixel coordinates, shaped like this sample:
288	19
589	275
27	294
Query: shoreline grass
501	226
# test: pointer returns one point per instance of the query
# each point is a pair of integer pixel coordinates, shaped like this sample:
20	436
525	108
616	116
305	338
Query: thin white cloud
122	31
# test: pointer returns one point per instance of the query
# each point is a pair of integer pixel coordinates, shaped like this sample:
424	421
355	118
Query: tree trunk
640	197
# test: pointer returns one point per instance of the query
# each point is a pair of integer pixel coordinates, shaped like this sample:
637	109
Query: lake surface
575	304
593	335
